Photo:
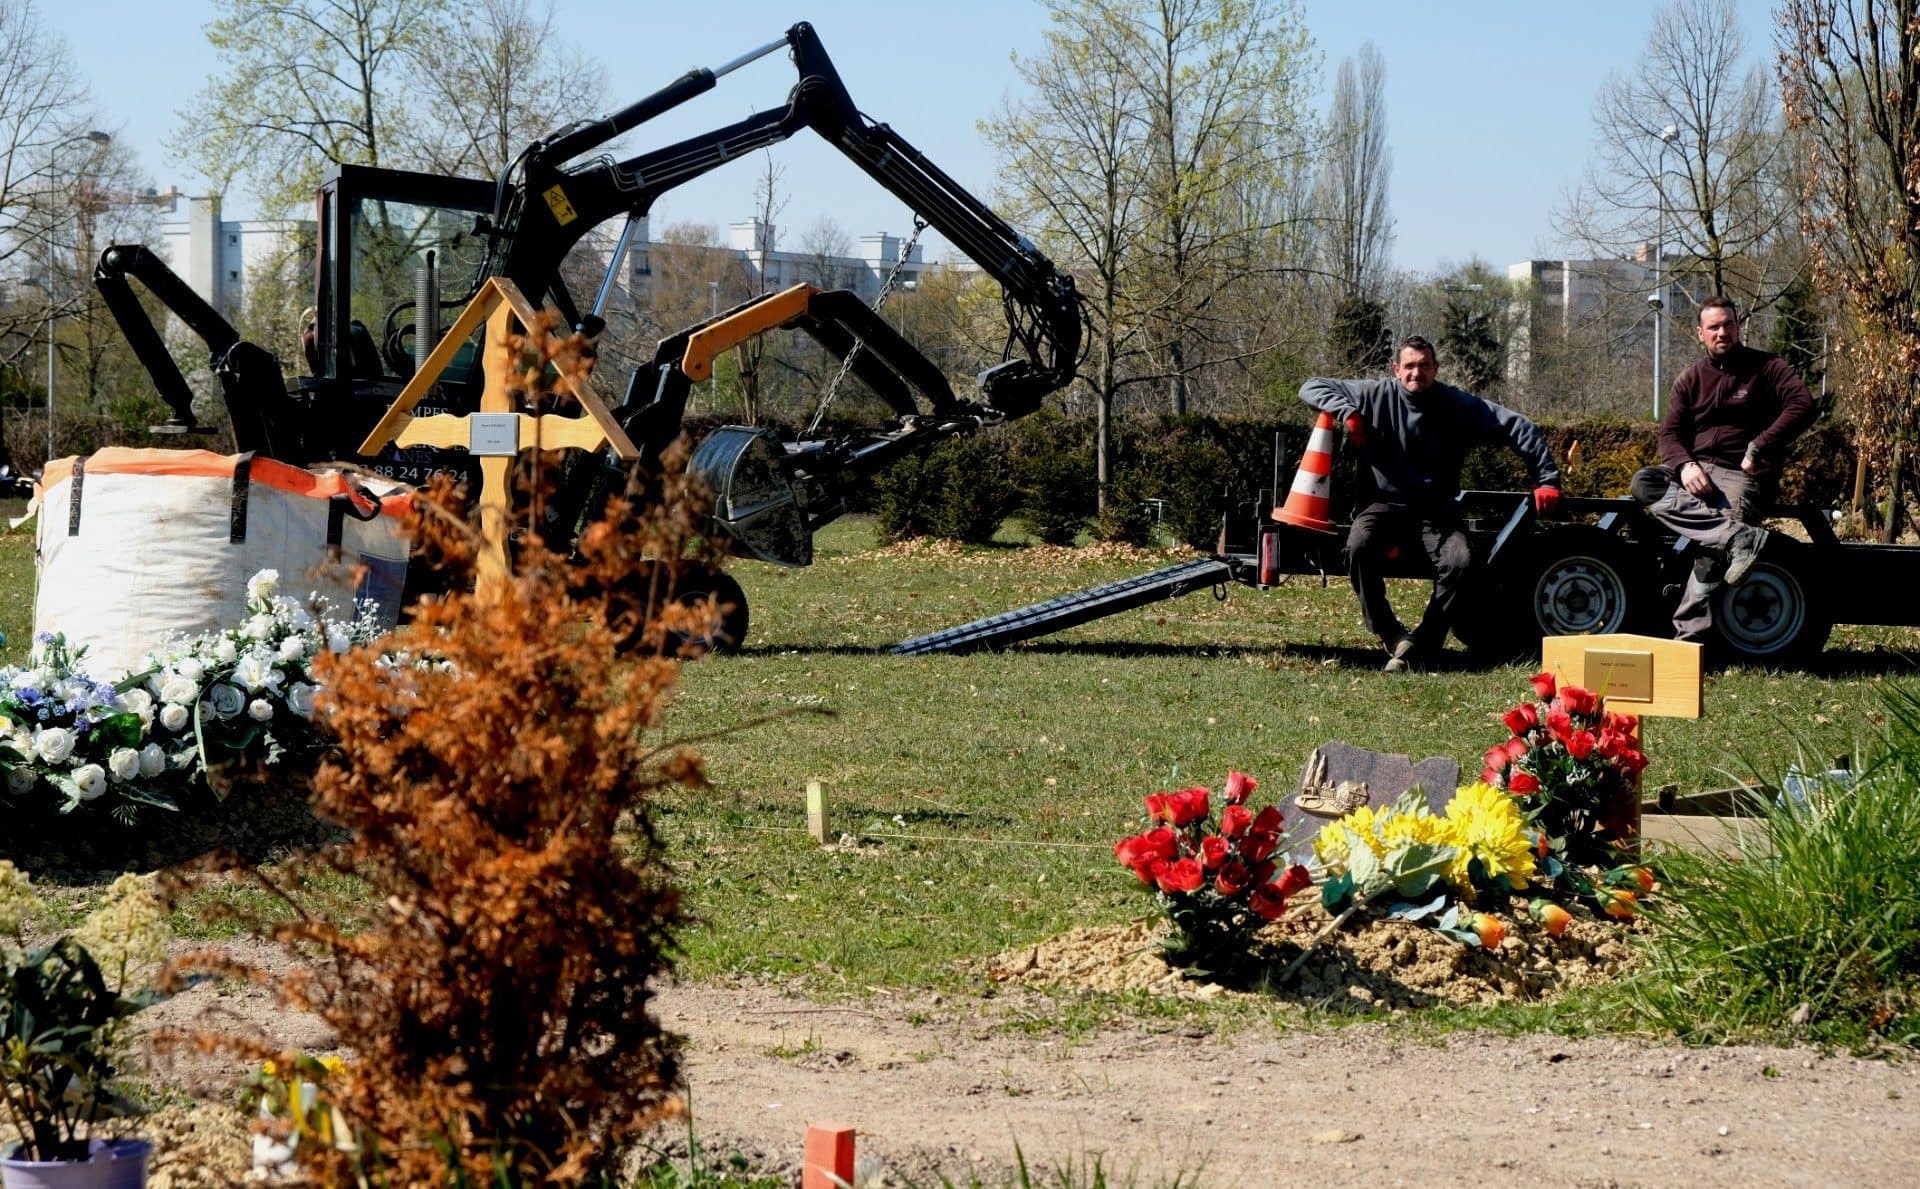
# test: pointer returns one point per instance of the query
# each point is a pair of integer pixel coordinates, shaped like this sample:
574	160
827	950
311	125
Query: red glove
1546	500
1356	430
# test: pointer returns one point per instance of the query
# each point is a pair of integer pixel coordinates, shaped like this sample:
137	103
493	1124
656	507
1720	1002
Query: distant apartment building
768	268
217	256
1615	296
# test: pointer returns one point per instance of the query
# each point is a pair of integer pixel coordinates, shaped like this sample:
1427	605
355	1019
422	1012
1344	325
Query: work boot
1742	551
1400	655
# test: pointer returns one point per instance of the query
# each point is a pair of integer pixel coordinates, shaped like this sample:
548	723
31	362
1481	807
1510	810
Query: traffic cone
1306	505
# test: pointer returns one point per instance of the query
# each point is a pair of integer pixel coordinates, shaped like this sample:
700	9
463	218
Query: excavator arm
543	206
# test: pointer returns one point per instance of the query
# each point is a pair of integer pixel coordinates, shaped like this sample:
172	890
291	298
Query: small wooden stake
829	1157
817	811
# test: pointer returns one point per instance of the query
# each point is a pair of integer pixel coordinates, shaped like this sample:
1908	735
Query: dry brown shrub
494	768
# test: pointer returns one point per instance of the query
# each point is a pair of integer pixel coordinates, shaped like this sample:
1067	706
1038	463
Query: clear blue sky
1489	102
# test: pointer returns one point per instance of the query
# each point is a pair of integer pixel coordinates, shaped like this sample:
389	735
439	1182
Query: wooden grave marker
499	432
1641	675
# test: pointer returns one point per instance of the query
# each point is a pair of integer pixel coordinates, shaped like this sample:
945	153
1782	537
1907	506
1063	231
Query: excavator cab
390	242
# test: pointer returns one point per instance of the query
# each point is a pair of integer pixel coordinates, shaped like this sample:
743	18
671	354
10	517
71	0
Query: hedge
1042	468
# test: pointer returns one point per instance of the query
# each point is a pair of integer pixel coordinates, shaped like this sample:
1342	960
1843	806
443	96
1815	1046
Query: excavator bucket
769	495
753	501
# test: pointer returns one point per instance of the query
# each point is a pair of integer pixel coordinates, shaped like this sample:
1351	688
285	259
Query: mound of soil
1386	964
198	1146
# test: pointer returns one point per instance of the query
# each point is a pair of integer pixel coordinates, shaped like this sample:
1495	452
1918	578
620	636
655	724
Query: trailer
1599	566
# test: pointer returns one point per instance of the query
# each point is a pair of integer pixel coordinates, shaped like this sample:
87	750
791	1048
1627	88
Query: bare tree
62	183
769	202
1689	158
1073	149
827	247
498	86
1148	152
1350	194
1224	85
1850	73
305	85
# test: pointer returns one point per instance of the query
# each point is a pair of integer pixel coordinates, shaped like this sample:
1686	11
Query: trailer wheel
1773	618
1569	580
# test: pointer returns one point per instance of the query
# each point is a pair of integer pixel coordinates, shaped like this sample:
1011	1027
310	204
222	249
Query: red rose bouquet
1217	883
1572	762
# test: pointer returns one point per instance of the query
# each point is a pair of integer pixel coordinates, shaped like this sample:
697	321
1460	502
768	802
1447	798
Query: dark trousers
1380	531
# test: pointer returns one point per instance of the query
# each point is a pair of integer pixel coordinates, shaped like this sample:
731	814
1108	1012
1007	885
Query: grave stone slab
1338	778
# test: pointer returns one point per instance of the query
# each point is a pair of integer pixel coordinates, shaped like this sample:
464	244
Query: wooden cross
498	432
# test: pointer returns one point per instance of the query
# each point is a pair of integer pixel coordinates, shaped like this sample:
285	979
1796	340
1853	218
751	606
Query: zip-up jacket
1721	408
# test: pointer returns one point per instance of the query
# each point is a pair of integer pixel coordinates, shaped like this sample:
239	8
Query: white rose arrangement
199	705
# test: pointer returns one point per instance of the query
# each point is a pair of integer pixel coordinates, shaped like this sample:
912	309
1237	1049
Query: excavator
386	238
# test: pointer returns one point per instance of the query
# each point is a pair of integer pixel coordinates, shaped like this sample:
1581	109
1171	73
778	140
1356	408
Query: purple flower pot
113	1164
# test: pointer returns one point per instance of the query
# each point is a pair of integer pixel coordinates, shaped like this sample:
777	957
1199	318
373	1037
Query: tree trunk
1102	447
1177	383
1890	527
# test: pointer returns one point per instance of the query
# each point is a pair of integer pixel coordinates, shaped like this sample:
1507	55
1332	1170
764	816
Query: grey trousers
1711	521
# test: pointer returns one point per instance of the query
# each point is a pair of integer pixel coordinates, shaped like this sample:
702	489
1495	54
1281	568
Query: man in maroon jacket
1729	423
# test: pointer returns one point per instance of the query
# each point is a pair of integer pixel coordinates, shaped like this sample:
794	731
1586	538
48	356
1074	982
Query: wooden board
1643	675
1697	832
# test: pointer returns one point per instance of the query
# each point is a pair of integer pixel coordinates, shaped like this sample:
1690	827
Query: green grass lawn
1011	774
989	789
16	583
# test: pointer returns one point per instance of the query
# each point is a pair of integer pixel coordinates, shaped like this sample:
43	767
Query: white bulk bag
136	545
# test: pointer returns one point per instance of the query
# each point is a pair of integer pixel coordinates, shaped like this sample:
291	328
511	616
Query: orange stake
829	1157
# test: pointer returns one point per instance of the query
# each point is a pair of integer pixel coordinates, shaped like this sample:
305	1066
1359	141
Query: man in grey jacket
1414	434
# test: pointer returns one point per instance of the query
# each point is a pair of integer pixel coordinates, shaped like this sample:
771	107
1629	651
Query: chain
886	289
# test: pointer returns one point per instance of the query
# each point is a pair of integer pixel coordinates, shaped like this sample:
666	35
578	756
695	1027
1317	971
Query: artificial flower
1551	916
1183	875
53	744
1522	718
123	764
90	780
1235	820
1483	824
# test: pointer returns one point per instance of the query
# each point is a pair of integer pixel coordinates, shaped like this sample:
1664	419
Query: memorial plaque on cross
499	432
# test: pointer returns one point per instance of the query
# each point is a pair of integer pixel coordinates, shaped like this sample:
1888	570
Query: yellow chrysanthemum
1334	843
1399	829
1485	824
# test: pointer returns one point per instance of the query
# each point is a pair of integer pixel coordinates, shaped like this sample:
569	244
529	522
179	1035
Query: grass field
988	789
1013	773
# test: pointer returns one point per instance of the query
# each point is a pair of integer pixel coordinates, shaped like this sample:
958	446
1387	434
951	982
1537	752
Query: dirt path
1331	1108
948	1088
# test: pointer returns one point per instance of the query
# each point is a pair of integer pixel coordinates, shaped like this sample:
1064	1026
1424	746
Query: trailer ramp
1067	611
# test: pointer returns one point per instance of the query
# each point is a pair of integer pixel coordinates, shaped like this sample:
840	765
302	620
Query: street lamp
713	392
53	312
1658	298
